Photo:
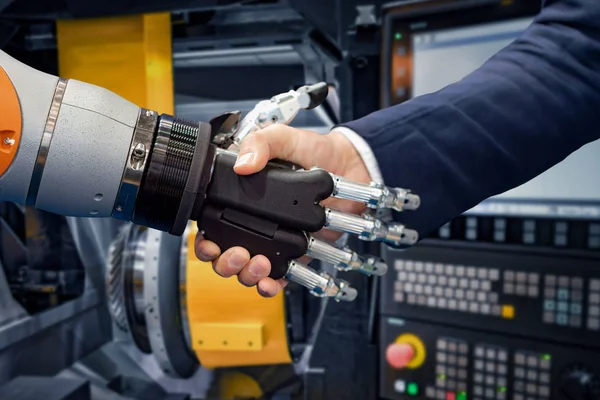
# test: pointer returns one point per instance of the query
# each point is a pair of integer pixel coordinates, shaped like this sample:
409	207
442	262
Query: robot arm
75	149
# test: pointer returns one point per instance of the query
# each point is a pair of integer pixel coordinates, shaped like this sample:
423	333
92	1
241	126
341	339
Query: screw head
9	141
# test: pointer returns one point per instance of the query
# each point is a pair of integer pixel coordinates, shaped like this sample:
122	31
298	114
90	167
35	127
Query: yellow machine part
230	324
236	385
128	55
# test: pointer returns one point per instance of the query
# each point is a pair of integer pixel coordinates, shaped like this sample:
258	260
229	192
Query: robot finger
370	229
345	259
375	195
320	284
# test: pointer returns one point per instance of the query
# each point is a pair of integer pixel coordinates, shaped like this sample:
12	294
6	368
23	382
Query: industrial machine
502	302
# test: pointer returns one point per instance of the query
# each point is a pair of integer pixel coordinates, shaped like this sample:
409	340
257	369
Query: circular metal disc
162	305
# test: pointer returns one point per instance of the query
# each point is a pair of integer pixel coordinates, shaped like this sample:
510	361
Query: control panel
553	296
466	364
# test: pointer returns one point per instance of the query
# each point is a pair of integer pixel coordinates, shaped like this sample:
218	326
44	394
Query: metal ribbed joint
166	177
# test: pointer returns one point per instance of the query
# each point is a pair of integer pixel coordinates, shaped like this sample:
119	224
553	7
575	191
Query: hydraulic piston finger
320	284
344	259
375	195
370	229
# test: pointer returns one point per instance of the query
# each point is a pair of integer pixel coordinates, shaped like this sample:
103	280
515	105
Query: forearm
524	111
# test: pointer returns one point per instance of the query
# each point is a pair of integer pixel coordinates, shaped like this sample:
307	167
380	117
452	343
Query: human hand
331	152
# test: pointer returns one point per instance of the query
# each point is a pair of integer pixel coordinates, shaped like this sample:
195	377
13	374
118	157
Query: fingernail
236	261
256	269
244	159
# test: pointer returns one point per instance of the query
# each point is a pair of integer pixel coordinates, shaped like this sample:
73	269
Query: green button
461	396
412	389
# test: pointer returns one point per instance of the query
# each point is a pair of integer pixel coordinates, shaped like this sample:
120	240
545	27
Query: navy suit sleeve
522	112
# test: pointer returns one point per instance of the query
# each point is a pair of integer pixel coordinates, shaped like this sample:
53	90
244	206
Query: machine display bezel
410	17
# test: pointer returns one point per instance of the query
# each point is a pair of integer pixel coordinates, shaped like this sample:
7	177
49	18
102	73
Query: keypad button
441	302
501	381
460	270
459	294
412	299
562	306
463	305
563	281
442	280
489	380
452	304
429	268
431	279
441	357
502	369
519	386
478	391
428	290
412	277
430	392
482	273
439	269
481	296
439	291
562	319
470	294
463	283
440	395
422	300
549	293
462	361
452	372
509	288
463	348
461	386
594	311
408	287
521	289
421	278
532	291
594	298
399	297
595	285
431	301
440	369
452	359
485	309
531	388
544	391
532	361
474	307
519	359
418	289
490	354
531	375
479	365
493	297
452	346
502	355
575	320
550	280
478	378
549	305
575	308
501	396
479	352
544	377
593	324
490	367
451	385
520	373
449	270
521	277
441	383
448	292
518	397
563	294
577	283
496	310
577	295
544	364
509	275
494	274
462	374
474	284
471	272
489	393
453	282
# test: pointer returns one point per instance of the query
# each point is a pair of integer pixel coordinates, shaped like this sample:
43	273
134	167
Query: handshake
285	194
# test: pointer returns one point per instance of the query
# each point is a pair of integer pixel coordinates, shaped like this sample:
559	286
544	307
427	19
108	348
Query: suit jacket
522	112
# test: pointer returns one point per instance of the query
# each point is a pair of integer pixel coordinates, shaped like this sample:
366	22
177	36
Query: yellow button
508	312
417	345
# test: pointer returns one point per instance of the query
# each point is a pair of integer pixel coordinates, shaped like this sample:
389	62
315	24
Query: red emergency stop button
408	351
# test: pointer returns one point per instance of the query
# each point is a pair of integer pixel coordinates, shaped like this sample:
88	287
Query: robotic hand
75	149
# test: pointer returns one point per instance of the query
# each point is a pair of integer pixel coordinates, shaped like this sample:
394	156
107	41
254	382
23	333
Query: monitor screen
426	51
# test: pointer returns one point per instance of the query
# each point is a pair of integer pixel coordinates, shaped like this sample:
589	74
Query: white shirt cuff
365	152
